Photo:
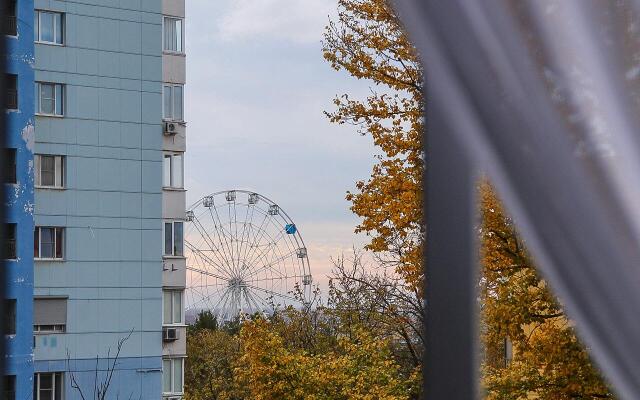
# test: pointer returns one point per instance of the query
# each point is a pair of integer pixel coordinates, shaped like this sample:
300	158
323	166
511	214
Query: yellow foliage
357	369
549	362
367	42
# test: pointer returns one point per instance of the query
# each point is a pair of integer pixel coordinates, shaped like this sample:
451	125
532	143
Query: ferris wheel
244	255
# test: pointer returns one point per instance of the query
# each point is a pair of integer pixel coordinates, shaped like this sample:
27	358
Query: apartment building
174	331
109	270
18	158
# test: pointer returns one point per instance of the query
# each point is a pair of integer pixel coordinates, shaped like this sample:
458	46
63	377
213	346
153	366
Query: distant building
101	255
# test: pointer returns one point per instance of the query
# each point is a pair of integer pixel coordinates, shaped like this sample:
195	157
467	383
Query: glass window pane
47	171
47	98
46	242
59	242
46	381
36	243
46	27
168	243
58	28
177	105
177	375
178	30
166	171
177	307
59	92
36	162
58	171
36	30
59	385
46	394
177	238
166	314
166	94
169	34
166	376
176	172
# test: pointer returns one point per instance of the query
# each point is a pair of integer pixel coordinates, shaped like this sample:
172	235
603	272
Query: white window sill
11	36
180	325
49	187
174	53
173	189
170	257
44	333
49	115
180	122
49	43
48	259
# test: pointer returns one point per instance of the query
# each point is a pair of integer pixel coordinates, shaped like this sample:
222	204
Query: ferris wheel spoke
250	298
231	237
207	238
270	266
206	259
203	272
247	221
284	277
223	254
272	293
230	260
273	243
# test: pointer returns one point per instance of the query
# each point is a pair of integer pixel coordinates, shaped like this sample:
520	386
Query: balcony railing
10	250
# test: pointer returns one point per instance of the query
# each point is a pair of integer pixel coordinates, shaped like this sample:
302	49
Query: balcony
11	25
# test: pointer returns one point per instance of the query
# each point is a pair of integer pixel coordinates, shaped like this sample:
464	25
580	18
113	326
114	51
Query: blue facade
109	67
20	200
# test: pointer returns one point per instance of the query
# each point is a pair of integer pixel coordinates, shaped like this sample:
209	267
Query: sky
257	86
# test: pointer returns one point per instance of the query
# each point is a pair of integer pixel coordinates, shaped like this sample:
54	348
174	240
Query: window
10	251
10	166
173	35
10	387
49	98
48	27
172	97
172	375
11	27
48	386
173	242
11	80
172	171
10	316
49	171
172	307
49	315
48	242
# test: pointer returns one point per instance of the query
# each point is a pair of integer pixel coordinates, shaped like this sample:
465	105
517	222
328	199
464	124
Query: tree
212	356
205	320
355	369
548	359
368	43
102	384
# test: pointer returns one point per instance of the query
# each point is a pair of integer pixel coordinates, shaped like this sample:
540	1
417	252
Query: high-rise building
109	198
174	348
18	202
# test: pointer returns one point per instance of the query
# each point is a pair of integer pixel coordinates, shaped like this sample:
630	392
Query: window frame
169	161
173	293
172	89
172	361
56	377
10	310
11	85
37	30
57	86
11	235
173	224
38	242
11	166
178	43
37	160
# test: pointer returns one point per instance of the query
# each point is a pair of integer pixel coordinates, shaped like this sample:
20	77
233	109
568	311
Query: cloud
297	21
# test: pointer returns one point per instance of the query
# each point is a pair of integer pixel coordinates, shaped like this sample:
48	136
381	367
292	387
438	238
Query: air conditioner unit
169	129
169	334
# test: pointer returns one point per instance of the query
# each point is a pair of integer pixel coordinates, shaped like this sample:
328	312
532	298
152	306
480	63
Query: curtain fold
543	95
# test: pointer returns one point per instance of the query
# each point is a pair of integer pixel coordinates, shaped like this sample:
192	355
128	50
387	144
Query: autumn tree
519	309
355	369
366	41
